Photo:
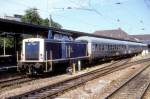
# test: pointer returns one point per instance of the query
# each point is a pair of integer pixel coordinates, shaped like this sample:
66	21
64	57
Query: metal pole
51	56
74	68
50	20
46	61
17	61
4	46
17	57
69	51
79	65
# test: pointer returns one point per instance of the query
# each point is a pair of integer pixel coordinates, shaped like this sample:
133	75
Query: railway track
56	89
14	81
134	87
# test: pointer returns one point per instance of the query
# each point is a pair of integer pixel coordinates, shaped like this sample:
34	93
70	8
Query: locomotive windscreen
32	50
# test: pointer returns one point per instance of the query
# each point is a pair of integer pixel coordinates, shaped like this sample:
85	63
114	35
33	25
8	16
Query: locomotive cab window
32	50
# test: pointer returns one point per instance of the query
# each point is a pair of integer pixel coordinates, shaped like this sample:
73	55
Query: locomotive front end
32	56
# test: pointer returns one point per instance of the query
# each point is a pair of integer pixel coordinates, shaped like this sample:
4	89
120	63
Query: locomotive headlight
22	56
41	56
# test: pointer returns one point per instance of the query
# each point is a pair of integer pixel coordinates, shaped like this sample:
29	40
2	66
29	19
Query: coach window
107	46
110	47
96	47
102	47
118	47
99	47
113	47
93	47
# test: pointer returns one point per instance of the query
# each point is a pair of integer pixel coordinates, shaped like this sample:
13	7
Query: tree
55	24
8	42
51	23
32	16
45	22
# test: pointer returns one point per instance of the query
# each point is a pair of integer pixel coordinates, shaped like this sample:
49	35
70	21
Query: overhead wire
81	6
147	2
139	18
45	11
26	6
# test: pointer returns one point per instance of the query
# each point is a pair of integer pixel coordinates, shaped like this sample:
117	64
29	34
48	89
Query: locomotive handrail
54	60
69	58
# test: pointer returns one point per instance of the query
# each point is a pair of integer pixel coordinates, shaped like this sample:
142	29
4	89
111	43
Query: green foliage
55	24
45	22
32	16
8	42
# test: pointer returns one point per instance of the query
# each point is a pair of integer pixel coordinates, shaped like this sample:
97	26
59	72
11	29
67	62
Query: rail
56	89
132	86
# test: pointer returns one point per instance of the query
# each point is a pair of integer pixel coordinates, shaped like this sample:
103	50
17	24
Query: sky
132	16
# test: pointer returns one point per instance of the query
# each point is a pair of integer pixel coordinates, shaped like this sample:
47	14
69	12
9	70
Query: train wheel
39	68
21	67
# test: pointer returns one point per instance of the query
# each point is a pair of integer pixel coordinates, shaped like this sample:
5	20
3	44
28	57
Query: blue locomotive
39	55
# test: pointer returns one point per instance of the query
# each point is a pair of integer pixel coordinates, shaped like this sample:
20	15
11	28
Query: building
115	33
16	17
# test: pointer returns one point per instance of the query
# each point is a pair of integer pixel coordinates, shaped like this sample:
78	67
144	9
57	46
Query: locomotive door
63	53
68	50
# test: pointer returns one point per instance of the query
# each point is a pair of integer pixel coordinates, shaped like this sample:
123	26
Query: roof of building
27	28
142	37
115	33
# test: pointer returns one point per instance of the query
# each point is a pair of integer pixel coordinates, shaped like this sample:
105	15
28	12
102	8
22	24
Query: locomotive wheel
21	67
39	68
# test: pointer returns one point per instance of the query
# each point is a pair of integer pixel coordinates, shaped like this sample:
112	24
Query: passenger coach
102	47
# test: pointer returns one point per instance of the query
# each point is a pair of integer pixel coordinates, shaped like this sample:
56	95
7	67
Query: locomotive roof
51	40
